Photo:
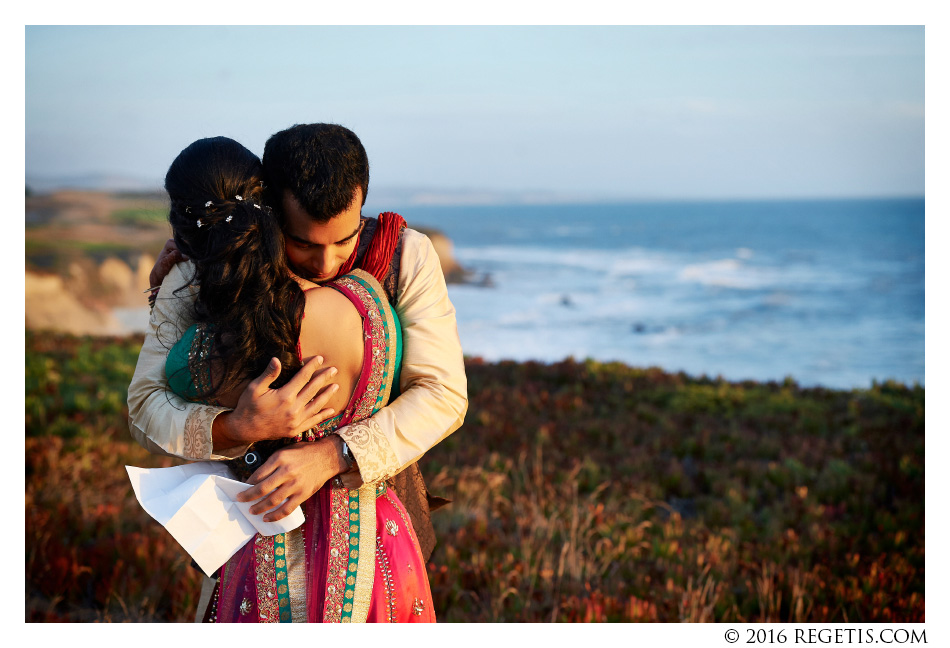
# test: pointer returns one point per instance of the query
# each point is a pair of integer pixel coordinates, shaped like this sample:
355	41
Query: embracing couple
315	350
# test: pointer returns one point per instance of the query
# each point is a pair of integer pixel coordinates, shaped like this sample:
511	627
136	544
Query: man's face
318	251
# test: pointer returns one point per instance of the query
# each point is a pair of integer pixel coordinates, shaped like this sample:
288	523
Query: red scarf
379	255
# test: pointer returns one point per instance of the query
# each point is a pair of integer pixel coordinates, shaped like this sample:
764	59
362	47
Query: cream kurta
431	405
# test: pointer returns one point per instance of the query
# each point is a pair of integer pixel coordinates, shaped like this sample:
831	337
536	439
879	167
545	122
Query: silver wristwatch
348	456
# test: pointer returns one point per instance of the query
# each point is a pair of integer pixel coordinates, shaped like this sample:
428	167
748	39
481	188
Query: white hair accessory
199	222
239	198
256	206
208	204
228	219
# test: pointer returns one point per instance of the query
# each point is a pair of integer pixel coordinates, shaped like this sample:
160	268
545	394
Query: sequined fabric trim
198	363
264	552
211	614
323	429
387	573
280	578
375	346
352	566
341	511
389	330
418	606
296	574
379	326
366	569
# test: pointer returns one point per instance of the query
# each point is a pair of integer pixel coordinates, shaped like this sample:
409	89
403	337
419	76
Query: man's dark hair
321	165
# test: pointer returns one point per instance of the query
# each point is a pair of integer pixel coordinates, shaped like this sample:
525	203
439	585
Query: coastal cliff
89	254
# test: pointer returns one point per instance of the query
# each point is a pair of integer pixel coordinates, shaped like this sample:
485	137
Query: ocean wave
614	263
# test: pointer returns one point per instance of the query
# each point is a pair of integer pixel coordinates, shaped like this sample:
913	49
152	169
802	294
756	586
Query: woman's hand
167	258
291	475
263	413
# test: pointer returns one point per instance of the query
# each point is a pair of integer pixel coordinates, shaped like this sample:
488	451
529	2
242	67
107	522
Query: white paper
196	503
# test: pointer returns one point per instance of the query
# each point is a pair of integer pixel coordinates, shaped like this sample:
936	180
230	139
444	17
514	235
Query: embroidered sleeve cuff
197	433
372	450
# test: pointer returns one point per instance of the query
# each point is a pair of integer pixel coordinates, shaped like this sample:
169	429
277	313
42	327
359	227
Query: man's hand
168	257
291	475
263	413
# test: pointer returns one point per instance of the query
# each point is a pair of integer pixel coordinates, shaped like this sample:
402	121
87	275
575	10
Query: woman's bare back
333	328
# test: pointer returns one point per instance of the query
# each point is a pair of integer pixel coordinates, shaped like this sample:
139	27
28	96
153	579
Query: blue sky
597	112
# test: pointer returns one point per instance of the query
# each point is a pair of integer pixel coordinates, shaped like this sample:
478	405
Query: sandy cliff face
83	301
454	273
51	306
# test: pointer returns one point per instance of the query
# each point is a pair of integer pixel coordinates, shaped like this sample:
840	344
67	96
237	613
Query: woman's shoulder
324	302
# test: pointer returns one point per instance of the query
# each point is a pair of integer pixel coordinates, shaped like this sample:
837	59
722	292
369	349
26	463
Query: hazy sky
665	112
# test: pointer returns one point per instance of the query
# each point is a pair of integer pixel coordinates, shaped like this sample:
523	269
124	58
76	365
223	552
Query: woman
356	558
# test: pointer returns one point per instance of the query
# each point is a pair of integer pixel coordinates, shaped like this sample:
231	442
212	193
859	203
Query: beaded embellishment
387	573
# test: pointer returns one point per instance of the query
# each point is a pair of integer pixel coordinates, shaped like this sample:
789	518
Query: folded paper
196	504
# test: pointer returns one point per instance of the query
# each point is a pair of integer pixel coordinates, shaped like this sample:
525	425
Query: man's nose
324	261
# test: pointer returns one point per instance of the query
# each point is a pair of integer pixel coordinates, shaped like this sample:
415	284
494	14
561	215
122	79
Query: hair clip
228	219
239	197
208	204
199	222
256	206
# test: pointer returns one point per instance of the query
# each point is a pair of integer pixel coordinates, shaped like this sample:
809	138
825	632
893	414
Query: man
317	176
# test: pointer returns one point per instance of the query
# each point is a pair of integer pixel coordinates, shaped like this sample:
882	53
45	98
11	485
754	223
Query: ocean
829	292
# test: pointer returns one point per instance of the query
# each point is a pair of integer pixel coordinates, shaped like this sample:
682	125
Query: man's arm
160	420
434	396
164	423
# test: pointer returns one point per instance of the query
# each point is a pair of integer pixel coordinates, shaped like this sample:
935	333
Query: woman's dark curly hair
247	297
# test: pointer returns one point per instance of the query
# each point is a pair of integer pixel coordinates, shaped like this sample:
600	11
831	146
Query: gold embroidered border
378	350
267	609
280	578
198	364
389	329
366	570
387	573
354	561
339	535
322	429
369	444
297	574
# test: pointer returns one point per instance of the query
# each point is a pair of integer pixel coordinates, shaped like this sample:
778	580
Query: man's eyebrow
342	240
355	232
298	239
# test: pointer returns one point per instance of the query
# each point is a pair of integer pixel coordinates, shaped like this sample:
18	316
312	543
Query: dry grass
581	492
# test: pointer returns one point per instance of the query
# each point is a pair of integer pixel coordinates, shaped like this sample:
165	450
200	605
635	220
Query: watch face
347	457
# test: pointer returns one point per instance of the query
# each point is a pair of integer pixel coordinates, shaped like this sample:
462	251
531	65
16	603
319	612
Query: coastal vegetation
581	491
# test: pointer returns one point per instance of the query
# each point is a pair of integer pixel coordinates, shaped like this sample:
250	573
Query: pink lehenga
356	558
